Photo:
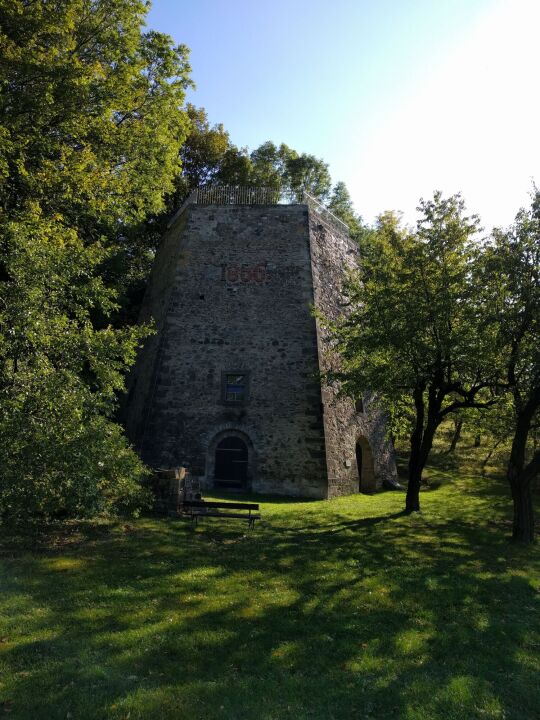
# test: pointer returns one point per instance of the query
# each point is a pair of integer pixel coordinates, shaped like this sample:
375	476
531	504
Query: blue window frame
235	387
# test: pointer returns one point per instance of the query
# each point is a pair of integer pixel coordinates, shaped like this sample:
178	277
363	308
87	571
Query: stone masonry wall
231	291
333	253
141	381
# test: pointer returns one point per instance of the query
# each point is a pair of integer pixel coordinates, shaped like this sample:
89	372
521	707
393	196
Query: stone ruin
230	386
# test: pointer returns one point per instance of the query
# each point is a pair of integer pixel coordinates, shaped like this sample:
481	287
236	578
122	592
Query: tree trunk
477	440
488	456
458	424
421	443
523	527
520	478
412	500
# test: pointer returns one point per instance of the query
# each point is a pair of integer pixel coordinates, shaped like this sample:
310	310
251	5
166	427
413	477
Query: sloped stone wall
231	291
333	255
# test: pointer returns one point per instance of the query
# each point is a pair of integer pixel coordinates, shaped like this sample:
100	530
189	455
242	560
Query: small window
359	405
235	387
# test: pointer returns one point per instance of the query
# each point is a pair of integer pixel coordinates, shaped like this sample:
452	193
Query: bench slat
224	505
227	515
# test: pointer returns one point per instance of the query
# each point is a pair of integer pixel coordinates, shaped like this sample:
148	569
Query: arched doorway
364	463
231	463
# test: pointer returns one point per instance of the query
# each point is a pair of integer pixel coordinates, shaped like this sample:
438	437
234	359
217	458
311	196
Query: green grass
340	609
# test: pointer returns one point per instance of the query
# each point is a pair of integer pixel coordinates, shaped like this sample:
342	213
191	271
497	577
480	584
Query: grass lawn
340	609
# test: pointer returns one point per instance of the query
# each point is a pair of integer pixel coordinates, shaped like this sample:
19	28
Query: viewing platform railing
227	195
243	195
324	212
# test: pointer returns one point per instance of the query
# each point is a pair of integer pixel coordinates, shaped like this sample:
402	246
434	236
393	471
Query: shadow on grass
317	614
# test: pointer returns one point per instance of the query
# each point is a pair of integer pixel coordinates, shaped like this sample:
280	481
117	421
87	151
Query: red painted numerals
243	273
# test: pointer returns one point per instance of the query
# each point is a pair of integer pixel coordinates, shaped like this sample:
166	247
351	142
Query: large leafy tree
91	127
290	172
204	149
268	165
209	157
89	112
511	280
341	205
413	332
306	173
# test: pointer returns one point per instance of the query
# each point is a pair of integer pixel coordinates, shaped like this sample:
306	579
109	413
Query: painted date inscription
244	273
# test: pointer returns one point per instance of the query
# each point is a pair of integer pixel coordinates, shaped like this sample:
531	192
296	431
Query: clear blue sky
400	97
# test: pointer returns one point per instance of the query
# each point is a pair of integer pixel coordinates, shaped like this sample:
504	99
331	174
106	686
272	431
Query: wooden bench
210	508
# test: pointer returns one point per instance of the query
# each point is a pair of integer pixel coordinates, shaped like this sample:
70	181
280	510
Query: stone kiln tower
229	385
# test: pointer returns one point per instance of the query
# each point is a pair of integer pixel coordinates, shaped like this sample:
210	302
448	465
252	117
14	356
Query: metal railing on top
324	212
228	195
242	195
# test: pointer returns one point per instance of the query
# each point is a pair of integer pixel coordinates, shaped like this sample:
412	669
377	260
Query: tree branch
466	404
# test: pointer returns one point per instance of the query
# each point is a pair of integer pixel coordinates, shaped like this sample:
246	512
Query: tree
306	173
60	454
510	277
413	333
456	435
268	165
208	157
89	112
91	127
235	167
203	151
341	205
292	173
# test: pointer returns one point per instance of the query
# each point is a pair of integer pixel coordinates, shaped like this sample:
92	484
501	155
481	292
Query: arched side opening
230	461
365	466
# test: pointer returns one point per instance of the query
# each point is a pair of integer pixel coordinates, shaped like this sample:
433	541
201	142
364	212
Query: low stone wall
168	487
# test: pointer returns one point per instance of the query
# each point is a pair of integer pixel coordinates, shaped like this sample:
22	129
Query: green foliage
306	173
292	173
412	308
91	122
511	280
269	165
209	157
494	424
414	333
89	111
89	469
341	205
59	377
235	168
510	276
203	154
